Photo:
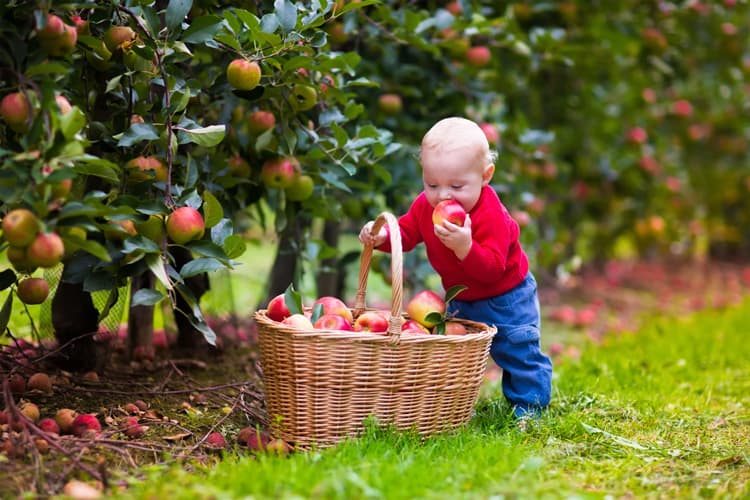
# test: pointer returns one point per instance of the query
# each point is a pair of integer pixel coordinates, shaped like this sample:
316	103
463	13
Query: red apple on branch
390	104
279	172
260	121
33	290
243	74
16	111
185	224
46	250
20	227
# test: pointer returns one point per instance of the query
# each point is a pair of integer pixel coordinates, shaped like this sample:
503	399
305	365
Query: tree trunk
141	320
189	339
330	279
75	321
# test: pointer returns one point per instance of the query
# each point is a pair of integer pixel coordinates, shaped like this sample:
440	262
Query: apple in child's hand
333	322
334	305
423	304
448	210
299	321
412	326
277	309
371	321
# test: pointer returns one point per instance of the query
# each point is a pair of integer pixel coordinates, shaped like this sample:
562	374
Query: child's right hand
367	238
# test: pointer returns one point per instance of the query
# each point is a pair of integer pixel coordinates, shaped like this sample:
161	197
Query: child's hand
457	238
367	238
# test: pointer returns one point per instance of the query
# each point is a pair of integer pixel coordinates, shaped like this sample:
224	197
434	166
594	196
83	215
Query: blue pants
527	372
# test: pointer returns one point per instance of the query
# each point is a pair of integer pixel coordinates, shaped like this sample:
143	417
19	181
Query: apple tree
129	142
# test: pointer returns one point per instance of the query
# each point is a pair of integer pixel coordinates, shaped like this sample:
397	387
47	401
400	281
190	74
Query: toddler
484	255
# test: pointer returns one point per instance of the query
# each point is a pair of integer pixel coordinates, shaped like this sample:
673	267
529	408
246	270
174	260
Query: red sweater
496	262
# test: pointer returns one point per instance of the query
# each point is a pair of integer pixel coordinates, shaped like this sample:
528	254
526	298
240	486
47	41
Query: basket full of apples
328	368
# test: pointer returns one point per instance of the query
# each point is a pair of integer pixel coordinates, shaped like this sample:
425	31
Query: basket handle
397	288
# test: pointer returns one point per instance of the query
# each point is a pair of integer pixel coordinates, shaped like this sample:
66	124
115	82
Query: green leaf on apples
7	278
212	210
176	12
434	317
293	300
202	29
199	266
138	132
439	328
453	291
5	313
146	297
317	312
205	136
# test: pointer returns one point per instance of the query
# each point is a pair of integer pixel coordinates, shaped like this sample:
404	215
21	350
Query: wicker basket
321	385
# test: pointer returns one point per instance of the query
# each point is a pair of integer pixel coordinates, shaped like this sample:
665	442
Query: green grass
662	413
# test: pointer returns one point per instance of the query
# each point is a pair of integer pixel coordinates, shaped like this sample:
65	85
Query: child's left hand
457	238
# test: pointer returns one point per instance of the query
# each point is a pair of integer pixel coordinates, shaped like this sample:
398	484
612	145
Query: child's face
456	175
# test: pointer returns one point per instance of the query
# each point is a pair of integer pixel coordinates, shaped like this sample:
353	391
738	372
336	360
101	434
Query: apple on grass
448	210
334	305
371	321
333	322
427	308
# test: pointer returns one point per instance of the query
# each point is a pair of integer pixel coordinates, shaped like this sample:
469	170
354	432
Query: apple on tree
260	121
16	111
46	250
33	290
185	224
390	104
279	172
243	74
301	188
20	227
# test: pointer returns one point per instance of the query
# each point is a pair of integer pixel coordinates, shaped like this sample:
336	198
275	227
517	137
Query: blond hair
454	133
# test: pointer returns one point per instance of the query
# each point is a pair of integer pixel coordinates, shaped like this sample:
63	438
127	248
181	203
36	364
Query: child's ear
489	171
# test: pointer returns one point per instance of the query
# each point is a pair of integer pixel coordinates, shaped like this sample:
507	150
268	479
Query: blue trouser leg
527	371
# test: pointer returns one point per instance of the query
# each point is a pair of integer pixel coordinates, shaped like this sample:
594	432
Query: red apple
86	425
243	74
454	7
49	425
278	447
299	321
185	224
132	428
216	440
333	322
82	25
450	211
491	132
371	321
20	227
682	107
637	135
522	217
53	28
423	304
16	111
478	56
454	328
260	121
279	172
412	326
334	305
390	104
277	309
33	290
65	418
39	382
46	250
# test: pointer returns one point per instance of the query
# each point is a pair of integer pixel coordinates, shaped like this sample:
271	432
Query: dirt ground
172	407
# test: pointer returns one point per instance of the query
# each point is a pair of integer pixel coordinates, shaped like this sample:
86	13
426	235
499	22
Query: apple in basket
411	326
332	322
334	305
299	321
371	321
454	328
277	309
422	305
